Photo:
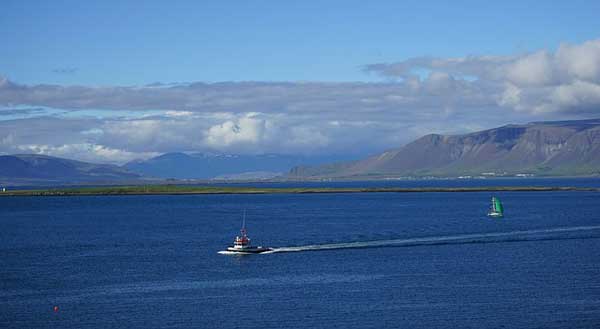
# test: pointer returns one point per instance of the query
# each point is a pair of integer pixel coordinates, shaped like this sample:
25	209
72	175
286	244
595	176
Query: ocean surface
372	260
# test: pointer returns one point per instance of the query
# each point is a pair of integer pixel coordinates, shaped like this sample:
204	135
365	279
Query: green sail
498	206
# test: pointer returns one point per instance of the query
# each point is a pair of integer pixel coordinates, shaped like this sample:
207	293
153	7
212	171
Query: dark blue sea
372	260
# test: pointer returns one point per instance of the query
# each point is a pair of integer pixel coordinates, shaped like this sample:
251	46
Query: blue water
373	260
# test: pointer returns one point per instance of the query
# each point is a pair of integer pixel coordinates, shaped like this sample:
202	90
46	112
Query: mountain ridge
537	148
179	165
555	148
44	169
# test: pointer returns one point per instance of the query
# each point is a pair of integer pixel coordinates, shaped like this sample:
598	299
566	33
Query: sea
356	260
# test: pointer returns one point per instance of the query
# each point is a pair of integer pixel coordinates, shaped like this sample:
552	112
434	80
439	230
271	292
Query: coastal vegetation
182	190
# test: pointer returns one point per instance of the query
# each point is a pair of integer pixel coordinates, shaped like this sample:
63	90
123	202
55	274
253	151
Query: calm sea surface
373	260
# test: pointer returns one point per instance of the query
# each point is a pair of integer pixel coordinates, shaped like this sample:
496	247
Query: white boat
241	243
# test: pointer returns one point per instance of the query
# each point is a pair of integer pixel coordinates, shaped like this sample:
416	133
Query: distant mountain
251	175
540	148
228	166
46	170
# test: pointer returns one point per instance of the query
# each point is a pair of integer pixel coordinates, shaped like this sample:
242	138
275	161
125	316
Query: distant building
524	175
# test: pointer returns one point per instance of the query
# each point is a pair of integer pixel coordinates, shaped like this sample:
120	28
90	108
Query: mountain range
559	148
43	170
540	148
34	169
222	166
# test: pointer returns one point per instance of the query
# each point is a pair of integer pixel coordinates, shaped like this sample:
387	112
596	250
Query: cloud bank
418	96
564	81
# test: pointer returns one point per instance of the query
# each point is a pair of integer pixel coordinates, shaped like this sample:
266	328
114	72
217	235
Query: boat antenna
244	223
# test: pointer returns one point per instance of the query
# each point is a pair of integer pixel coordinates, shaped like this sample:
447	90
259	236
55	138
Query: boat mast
243	230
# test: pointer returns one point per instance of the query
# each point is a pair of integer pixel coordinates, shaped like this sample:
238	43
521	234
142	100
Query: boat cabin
242	241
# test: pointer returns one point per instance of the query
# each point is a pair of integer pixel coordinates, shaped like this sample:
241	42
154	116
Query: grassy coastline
183	190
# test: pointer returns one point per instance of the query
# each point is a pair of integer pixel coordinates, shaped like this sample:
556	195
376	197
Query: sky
114	81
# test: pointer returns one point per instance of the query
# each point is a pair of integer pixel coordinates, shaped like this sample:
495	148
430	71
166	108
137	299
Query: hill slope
42	169
543	148
206	166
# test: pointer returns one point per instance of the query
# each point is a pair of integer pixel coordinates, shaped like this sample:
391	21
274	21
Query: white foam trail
227	252
463	238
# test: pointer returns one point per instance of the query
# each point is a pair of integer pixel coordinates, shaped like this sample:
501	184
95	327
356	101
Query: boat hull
495	214
251	250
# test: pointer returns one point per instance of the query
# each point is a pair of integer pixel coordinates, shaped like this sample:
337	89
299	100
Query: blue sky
140	42
113	81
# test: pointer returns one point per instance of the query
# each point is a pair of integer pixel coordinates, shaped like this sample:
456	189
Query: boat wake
561	233
226	252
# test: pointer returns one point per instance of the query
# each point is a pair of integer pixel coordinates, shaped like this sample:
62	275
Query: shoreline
186	190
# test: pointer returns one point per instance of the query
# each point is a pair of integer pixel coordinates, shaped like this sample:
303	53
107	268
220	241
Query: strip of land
184	190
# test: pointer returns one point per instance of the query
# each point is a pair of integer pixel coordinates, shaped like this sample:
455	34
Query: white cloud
178	114
531	70
543	82
511	96
86	152
303	136
245	130
577	96
431	95
581	62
